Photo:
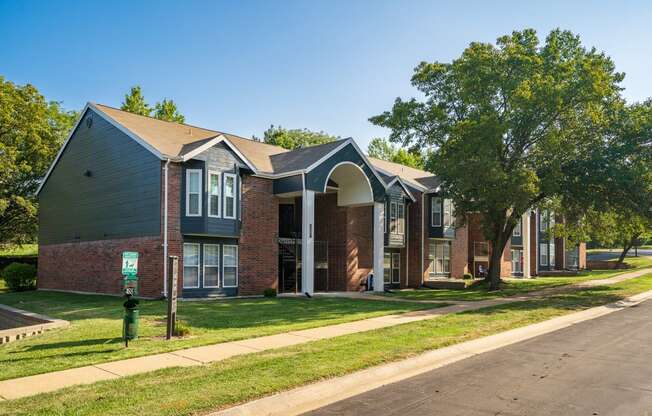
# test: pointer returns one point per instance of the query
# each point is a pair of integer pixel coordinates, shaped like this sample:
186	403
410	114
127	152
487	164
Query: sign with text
129	263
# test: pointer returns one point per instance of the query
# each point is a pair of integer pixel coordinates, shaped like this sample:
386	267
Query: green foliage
467	276
19	277
295	138
181	329
167	110
269	292
134	102
511	125
31	132
382	149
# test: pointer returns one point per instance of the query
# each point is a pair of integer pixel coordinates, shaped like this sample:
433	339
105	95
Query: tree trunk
495	265
626	247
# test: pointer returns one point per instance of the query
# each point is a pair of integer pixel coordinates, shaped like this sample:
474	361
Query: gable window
229	195
211	265
401	218
190	265
213	194
435	212
193	193
230	265
439	256
517	229
448	213
543	254
392	217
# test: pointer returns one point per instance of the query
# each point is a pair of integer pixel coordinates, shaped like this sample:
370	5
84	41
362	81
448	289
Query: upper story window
435	212
543	221
397	217
392	217
401	218
229	195
449	215
517	229
193	192
213	194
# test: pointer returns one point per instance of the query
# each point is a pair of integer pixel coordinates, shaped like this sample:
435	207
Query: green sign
130	263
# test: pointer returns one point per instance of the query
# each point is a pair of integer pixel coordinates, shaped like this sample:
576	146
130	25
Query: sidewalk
41	383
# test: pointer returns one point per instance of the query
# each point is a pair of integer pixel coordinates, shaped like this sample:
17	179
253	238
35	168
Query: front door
517	261
396	268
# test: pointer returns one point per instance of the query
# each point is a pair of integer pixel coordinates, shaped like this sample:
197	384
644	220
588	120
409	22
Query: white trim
204	265
400	206
346	162
201	189
400	182
541	252
237	265
418	186
392	268
519	227
166	168
212	142
393	226
219	193
224	196
198	266
432	211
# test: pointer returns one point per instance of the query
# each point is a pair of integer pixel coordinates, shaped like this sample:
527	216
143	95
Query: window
551	256
439	255
448	213
230	266
387	268
435	212
517	229
543	221
401	218
211	265
396	268
517	264
543	254
193	193
190	265
213	194
392	217
229	195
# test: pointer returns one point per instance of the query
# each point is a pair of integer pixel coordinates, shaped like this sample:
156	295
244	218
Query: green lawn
96	325
24	250
194	390
512	287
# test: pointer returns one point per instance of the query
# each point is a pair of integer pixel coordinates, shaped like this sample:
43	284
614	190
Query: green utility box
130	325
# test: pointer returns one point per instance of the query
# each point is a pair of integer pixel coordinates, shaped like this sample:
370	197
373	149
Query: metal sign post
173	272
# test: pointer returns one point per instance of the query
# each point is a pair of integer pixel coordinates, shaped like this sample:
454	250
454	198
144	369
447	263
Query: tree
509	124
295	138
167	110
31	132
382	149
135	102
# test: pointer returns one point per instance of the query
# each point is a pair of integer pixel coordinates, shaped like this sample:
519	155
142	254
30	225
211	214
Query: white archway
354	187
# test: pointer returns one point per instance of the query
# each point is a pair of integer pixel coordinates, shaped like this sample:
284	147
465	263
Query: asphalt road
610	255
598	367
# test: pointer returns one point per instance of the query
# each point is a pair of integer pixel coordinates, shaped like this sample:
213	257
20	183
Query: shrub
269	293
181	329
467	276
19	276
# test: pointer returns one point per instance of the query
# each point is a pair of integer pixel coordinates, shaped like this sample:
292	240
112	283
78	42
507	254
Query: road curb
313	396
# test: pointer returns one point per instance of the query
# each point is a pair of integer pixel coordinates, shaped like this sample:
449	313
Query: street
613	254
598	367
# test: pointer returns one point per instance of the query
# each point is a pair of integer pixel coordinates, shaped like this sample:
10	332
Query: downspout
165	227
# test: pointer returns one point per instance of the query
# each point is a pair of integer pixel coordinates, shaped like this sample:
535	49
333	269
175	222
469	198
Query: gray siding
288	184
316	179
437	232
221	159
121	198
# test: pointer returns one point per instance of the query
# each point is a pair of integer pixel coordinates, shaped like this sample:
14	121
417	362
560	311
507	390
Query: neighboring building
244	216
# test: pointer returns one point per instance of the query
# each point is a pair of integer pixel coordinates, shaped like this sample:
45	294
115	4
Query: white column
379	246
525	234
307	242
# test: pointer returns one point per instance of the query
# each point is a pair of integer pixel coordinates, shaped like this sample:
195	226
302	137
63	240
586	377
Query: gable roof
421	179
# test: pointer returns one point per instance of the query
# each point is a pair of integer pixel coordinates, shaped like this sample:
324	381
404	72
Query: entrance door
517	261
396	268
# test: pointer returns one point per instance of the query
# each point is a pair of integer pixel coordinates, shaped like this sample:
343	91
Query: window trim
542	253
520	259
200	193
393	214
235	204
448	213
543	221
400	218
432	257
519	228
219	193
552	261
395	256
435	201
237	266
204	265
198	266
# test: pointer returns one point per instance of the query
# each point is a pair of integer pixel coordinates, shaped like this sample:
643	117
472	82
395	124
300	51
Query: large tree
508	123
382	149
167	110
134	102
31	132
295	138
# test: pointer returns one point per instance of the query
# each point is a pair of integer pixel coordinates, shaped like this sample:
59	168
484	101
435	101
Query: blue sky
325	65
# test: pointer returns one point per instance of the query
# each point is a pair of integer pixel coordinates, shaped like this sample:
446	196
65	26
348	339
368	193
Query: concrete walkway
42	383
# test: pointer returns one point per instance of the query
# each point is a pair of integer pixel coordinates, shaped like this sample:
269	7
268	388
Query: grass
186	391
512	287
96	326
18	251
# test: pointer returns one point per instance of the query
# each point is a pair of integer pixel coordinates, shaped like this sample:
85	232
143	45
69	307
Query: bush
269	293
19	276
181	329
467	276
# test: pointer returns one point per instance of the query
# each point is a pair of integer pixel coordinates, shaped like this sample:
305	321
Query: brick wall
331	226
175	239
259	238
459	252
359	245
